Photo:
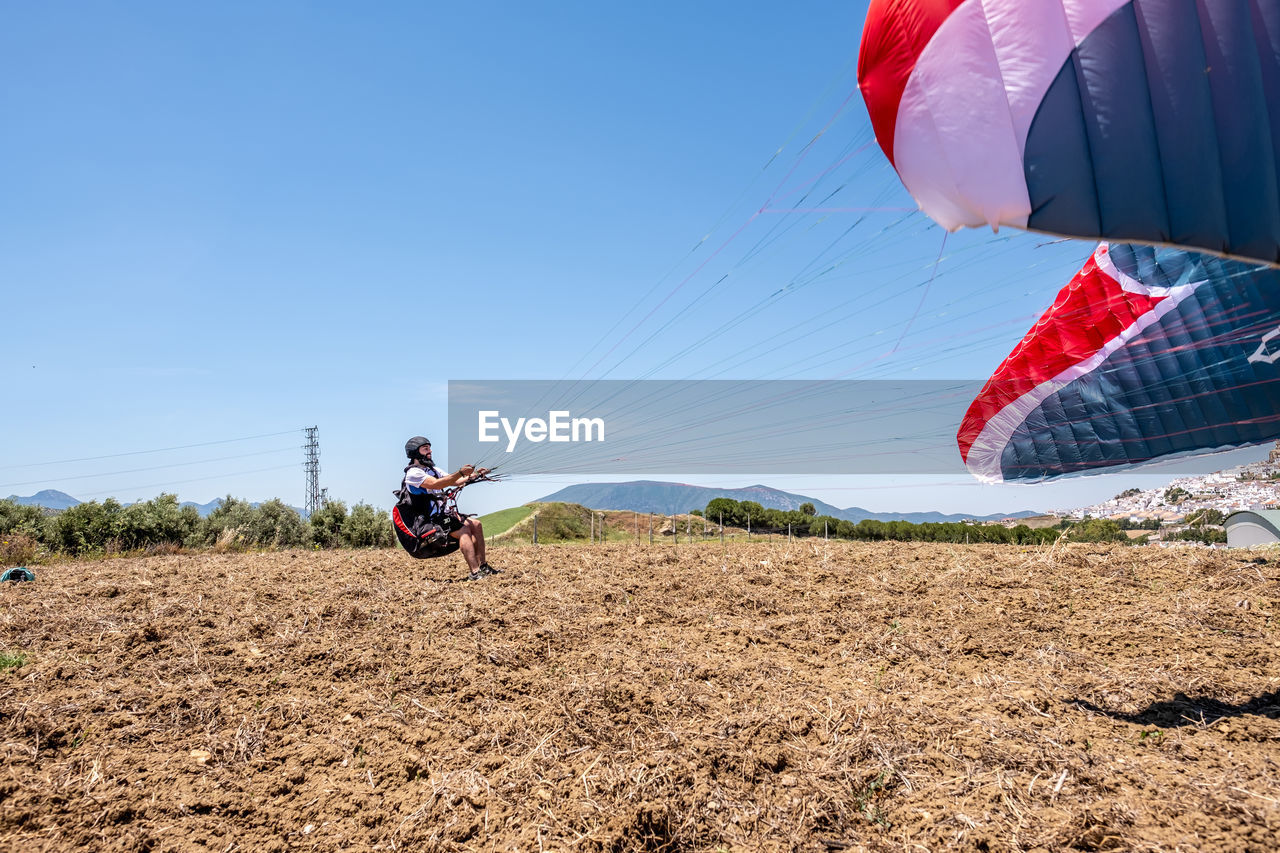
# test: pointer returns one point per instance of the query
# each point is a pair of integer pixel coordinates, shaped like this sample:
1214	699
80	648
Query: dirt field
852	696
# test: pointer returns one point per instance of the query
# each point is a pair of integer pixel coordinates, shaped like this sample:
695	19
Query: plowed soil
767	697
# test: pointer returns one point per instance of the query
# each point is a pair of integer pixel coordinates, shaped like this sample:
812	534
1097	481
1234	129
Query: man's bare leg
477	534
471	544
467	545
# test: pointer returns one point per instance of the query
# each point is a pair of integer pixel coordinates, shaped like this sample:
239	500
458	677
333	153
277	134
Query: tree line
161	523
1205	527
806	522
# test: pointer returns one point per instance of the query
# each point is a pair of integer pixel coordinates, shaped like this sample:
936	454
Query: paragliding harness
424	521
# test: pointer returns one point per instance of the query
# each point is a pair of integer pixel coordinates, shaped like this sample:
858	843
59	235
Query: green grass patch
11	661
504	519
557	523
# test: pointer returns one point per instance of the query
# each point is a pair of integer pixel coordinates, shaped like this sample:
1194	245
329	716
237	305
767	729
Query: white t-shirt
414	477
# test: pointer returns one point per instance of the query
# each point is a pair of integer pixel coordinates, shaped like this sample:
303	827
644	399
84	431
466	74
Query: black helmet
411	446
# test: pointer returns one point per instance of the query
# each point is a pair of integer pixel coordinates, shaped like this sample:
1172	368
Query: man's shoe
483	571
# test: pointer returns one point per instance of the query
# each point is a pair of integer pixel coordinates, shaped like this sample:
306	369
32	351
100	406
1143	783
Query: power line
137	470
96	457
194	480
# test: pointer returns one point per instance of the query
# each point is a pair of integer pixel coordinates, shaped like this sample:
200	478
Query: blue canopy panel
1160	128
1191	366
1154	121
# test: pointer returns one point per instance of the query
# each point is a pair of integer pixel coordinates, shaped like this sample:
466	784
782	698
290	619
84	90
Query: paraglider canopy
1146	353
1133	120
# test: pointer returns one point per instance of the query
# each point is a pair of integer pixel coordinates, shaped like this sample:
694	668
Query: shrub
727	510
230	526
326	524
558	522
367	528
160	521
1203	517
86	528
237	524
1204	535
17	518
1097	530
563	521
17	549
278	525
824	525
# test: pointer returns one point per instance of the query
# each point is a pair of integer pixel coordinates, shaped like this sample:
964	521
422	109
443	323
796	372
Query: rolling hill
667	498
48	498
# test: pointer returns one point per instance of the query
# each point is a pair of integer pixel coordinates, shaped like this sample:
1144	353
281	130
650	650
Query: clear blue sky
236	219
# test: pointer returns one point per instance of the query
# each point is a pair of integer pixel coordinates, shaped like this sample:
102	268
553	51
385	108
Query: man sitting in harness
426	523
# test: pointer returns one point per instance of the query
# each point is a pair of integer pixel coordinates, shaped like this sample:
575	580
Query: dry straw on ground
811	697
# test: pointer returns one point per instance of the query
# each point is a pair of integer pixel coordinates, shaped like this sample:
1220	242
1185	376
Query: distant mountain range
49	499
56	500
205	509
667	498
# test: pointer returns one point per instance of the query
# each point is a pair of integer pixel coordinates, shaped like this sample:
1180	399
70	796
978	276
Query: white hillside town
1253	486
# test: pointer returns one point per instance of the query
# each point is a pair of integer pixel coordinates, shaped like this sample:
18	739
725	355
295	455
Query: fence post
788	533
748	528
826	534
535	528
721	528
650	528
